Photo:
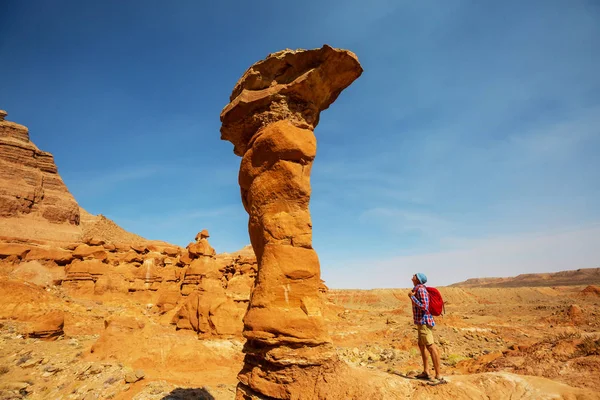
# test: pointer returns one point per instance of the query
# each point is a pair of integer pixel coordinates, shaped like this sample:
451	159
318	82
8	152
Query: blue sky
469	147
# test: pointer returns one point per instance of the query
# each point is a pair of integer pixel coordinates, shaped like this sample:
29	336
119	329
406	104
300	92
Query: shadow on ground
189	394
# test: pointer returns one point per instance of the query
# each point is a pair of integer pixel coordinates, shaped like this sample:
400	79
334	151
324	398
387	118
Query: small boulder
133	377
139	248
85	251
49	326
171	251
109	247
95	242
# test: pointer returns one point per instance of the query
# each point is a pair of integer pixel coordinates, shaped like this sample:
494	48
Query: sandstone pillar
274	109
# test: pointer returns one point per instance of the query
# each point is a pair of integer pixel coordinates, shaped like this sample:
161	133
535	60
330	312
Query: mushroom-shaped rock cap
202	235
295	85
3	115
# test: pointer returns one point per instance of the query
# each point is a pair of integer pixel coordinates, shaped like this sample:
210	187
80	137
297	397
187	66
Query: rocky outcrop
207	293
591	290
270	119
29	180
35	203
218	290
203	266
30	304
48	326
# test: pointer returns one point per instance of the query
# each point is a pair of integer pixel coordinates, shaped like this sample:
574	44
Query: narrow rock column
274	109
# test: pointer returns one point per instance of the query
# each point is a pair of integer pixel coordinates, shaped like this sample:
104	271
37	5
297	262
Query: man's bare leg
424	357
435	357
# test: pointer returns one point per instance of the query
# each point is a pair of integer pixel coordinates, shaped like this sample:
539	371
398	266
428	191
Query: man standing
424	321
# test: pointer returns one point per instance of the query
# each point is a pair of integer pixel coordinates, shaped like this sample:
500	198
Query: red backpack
436	303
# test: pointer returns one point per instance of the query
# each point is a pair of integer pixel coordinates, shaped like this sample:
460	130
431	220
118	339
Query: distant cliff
584	276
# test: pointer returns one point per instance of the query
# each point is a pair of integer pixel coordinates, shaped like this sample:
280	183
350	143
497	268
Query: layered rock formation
217	290
29	180
207	293
35	203
31	304
270	119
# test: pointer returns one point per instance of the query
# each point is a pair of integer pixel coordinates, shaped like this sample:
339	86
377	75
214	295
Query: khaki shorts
425	335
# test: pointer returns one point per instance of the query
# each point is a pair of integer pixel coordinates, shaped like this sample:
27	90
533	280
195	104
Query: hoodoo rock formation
204	292
29	180
217	290
270	119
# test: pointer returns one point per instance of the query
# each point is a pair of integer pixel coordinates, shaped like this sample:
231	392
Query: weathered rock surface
270	119
287	85
217	290
25	302
35	272
29	180
207	293
35	204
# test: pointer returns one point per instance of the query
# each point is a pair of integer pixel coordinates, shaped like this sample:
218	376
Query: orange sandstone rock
59	256
203	234
13	249
270	119
217	291
200	248
48	326
85	251
29	180
29	303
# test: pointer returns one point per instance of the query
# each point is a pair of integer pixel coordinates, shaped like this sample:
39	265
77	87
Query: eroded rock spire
270	119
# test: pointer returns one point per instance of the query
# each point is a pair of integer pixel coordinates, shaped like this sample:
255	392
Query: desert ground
122	347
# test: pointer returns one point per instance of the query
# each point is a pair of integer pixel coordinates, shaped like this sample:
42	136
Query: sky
469	147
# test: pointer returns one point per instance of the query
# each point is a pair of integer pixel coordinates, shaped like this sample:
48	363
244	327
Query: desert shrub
4	369
454	359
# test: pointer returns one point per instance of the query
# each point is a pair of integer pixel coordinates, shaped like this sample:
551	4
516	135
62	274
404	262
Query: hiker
424	321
